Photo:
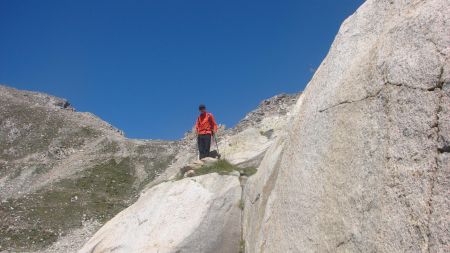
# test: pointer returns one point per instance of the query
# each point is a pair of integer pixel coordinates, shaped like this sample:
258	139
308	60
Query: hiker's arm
196	126
213	121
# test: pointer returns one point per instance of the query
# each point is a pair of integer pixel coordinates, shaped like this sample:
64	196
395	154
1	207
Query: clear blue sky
144	66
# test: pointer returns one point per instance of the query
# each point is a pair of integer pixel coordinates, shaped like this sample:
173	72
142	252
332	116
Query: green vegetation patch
41	168
248	171
223	167
109	147
242	246
154	167
36	220
241	204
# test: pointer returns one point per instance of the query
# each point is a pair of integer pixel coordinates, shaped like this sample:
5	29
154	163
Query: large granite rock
364	166
199	214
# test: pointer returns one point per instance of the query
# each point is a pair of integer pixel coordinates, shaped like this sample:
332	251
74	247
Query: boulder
198	214
189	173
209	160
364	164
192	166
197	163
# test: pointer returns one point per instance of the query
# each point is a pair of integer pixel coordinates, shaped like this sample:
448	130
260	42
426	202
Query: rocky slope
246	143
64	173
361	162
365	165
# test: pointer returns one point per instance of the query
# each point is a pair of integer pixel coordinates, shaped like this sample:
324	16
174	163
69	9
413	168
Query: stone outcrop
198	214
364	166
246	144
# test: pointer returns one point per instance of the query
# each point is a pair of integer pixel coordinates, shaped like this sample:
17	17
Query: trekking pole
217	145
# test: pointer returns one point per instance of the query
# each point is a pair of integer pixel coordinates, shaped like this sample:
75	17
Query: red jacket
205	123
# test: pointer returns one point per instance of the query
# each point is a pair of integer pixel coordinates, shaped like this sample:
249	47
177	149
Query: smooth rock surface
364	166
198	214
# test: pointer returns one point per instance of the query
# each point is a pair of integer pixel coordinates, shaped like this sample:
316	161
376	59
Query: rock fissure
439	151
342	243
438	50
444	149
376	94
412	87
242	206
440	81
255	199
352	101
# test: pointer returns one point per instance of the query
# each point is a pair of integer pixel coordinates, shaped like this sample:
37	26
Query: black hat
202	106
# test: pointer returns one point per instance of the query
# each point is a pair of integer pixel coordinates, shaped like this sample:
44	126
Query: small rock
74	199
189	167
198	162
190	173
209	160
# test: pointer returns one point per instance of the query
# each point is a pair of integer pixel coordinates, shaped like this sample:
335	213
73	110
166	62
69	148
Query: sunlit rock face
364	165
246	143
199	214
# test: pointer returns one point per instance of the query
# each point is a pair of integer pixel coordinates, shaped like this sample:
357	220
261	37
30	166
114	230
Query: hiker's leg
207	144
202	145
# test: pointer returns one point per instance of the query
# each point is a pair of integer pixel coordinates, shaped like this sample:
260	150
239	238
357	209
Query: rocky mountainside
365	163
362	163
359	162
65	173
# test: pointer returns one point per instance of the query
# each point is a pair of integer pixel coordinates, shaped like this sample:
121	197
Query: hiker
205	127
